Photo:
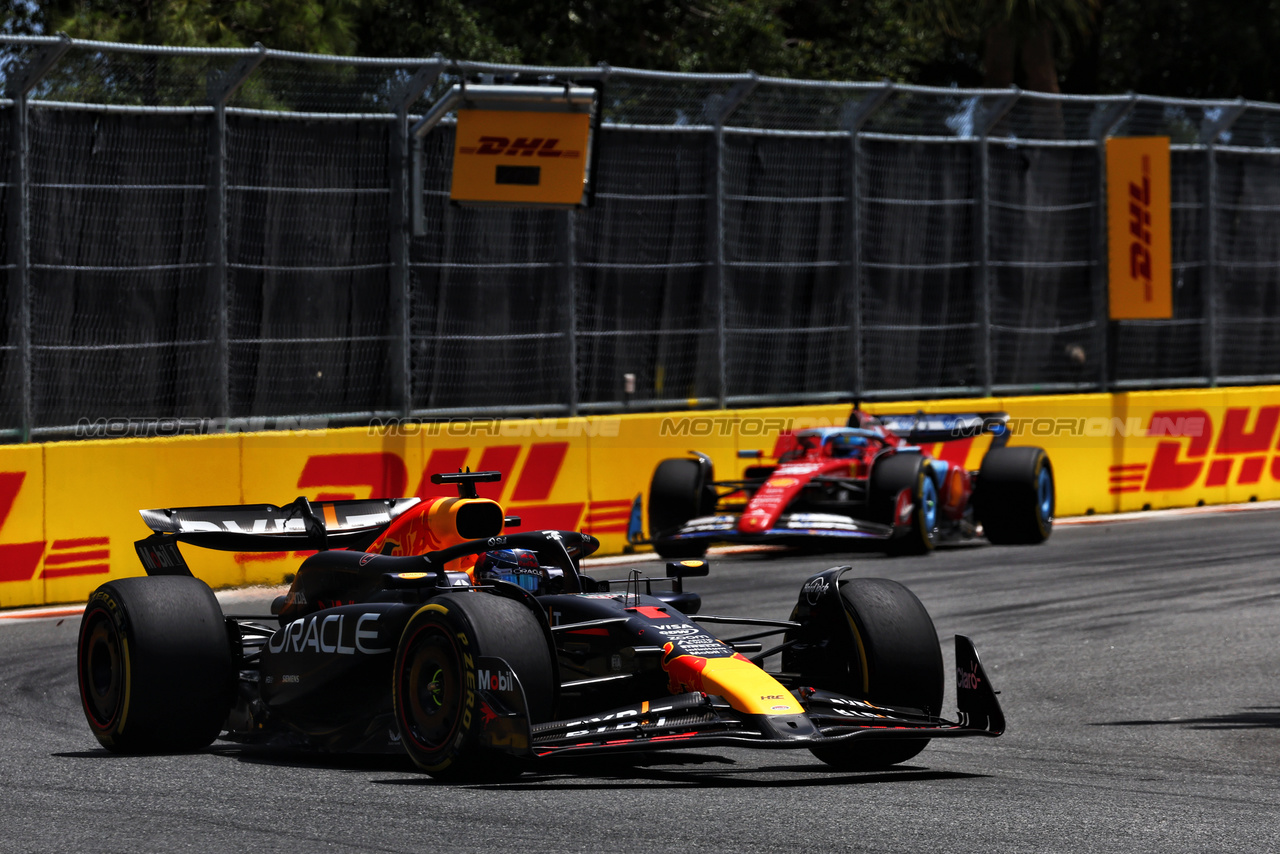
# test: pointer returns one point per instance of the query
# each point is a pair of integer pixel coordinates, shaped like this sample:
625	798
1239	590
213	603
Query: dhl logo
1140	229
66	558
523	147
1241	451
528	479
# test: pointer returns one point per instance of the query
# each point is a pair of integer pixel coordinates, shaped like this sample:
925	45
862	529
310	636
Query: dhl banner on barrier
68	510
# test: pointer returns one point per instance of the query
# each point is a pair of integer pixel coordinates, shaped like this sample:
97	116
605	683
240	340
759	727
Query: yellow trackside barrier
22	525
68	511
94	489
544	463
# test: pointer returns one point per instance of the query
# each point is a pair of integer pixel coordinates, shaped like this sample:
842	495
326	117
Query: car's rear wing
300	524
929	427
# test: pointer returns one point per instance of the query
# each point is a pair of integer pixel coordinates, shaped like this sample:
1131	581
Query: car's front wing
788	526
701	720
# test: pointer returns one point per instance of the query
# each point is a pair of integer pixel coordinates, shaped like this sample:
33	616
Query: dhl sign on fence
1139	223
509	156
68	510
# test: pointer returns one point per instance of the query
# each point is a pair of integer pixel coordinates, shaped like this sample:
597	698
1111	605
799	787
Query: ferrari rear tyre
434	681
895	637
888	478
680	490
1014	499
154	665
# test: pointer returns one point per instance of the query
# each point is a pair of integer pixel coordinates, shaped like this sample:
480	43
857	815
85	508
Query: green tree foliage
453	28
1021	40
1187	48
845	39
849	39
320	26
1191	48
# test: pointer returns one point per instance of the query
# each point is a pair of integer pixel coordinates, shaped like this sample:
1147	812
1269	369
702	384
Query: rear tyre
1015	497
894	635
888	478
680	490
154	665
433	688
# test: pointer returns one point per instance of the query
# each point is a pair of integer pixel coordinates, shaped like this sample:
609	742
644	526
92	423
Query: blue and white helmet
515	566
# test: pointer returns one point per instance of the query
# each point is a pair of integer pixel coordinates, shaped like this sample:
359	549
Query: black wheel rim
432	689
101	669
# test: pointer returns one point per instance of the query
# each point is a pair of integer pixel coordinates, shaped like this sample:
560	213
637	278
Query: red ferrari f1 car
419	628
870	481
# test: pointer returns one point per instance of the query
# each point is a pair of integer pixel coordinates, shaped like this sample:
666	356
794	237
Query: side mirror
750	455
687	568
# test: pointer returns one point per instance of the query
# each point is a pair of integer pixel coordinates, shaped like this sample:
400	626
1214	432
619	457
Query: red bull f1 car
418	627
869	481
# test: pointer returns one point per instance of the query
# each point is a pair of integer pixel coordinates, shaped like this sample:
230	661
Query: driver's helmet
847	445
515	566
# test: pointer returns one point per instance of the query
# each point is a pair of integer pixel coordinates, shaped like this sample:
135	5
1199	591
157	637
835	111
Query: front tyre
434	692
894	636
154	665
679	491
1015	496
888	478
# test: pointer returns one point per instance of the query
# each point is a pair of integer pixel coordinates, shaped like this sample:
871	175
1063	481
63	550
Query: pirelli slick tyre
434	681
154	665
898	662
1015	497
888	478
680	490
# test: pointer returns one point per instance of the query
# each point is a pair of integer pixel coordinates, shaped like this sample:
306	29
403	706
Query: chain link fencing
189	236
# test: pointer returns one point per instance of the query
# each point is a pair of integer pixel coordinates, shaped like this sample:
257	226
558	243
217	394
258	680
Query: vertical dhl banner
1139	228
69	510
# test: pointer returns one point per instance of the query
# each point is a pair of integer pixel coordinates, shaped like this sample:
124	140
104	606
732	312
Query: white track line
42	613
230	596
1142	515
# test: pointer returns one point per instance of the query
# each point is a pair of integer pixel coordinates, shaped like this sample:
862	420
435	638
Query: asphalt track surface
1137	661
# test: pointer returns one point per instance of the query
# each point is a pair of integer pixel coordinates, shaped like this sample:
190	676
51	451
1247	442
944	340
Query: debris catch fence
197	235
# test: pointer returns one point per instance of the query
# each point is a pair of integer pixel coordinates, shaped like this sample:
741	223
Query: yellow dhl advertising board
1139	228
515	157
69	511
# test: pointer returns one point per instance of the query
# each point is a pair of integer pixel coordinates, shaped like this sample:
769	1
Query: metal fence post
1104	127
719	108
20	83
221	86
19	260
988	118
1209	287
401	170
856	115
570	280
